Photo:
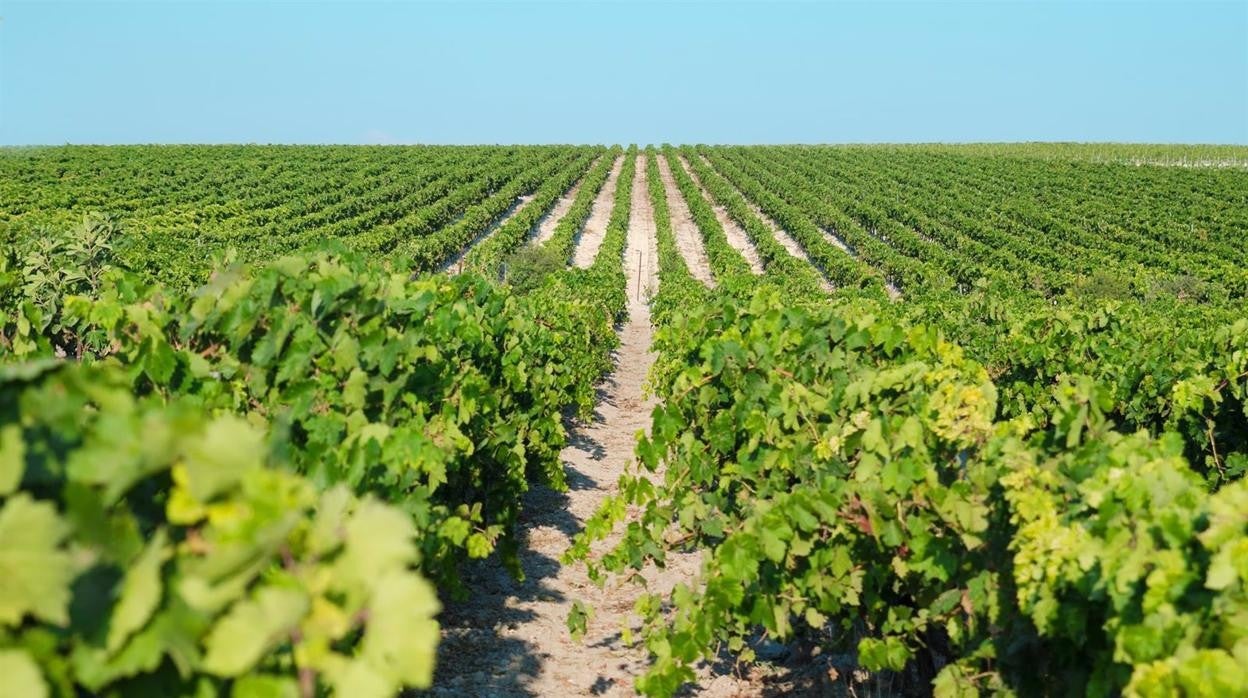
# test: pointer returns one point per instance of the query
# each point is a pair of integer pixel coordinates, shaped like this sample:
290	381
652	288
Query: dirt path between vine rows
510	638
829	234
782	236
455	264
688	237
546	226
737	237
795	248
595	229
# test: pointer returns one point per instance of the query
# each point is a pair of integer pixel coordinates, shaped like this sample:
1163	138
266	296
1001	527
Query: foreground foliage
148	549
192	479
848	480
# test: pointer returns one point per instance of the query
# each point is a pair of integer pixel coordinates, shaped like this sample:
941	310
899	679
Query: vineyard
569	420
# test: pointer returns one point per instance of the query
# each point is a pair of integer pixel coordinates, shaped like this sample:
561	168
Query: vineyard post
638	275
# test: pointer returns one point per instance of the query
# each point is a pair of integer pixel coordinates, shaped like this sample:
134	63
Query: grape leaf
378	540
251	628
227	448
402	634
20	676
35	573
12	458
140	592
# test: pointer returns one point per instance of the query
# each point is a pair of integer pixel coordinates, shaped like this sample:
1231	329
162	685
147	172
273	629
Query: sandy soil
737	237
595	229
546	226
782	236
688	237
454	265
834	238
795	248
641	257
510	638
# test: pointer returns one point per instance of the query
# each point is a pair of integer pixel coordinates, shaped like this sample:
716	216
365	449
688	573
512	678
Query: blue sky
518	72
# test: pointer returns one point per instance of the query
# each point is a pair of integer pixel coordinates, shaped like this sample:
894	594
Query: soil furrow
688	237
793	246
737	237
511	638
590	238
546	226
454	265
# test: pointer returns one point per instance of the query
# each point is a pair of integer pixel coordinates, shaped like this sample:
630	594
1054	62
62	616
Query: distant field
958	419
915	215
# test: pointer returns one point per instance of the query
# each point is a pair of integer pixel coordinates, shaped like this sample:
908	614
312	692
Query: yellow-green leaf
35	573
251	628
20	676
140	592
